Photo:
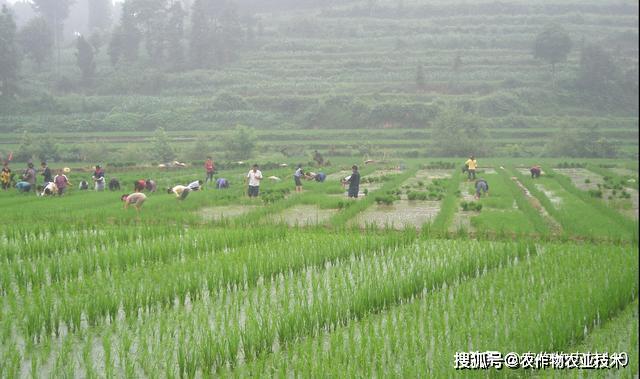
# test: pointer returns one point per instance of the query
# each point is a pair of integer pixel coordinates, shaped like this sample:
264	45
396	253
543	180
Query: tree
26	149
161	149
175	32
9	58
216	33
421	81
36	39
128	34
580	143
96	41
240	143
85	60
553	45
597	69
456	133
55	12
99	14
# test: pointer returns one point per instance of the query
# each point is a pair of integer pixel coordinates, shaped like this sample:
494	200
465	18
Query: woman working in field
136	199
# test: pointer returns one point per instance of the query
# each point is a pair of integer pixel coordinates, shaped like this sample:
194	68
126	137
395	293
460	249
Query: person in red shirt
211	169
139	185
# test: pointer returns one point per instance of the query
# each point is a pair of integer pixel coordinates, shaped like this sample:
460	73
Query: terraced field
220	285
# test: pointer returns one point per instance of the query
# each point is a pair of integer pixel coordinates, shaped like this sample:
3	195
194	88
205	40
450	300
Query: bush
471	206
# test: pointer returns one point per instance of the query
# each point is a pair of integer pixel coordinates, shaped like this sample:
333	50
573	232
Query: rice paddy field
313	284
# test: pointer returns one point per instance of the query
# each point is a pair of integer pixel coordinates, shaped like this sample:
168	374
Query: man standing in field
61	181
5	176
98	178
29	176
297	178
482	187
46	173
472	164
210	167
136	199
180	191
354	183
253	178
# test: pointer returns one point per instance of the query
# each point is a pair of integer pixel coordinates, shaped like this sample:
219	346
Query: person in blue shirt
222	183
320	177
354	183
23	186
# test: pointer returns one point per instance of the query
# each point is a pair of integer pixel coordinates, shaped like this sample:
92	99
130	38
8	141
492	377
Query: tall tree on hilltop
553	45
36	39
85	60
55	12
216	32
9	58
174	32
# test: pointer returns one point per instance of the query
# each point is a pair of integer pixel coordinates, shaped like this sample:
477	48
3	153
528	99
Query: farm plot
614	191
301	215
223	212
415	203
399	215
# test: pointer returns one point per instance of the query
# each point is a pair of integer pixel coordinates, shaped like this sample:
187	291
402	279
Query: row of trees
215	36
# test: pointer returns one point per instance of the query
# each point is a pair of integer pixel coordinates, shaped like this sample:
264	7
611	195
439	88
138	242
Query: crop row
548	303
43	310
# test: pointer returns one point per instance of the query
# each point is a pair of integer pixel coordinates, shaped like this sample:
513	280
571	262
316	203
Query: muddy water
303	215
555	200
581	178
226	211
403	213
624	171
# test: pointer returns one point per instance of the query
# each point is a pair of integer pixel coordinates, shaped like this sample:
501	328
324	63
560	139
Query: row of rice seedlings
573	220
532	214
448	207
614	216
121	256
529	305
42	310
234	324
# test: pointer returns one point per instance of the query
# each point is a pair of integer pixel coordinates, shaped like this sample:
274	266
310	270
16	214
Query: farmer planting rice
29	176
49	189
535	171
5	176
139	185
471	165
23	187
180	191
98	178
114	184
482	187
253	178
61	181
354	183
150	185
297	178
136	199
222	183
210	169
84	185
46	172
195	185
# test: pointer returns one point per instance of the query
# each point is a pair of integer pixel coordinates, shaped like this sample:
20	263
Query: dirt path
535	203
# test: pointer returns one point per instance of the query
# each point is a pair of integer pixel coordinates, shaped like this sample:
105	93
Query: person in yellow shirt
472	164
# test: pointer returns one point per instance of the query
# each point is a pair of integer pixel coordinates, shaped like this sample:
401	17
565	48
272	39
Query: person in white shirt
180	191
49	189
195	185
254	177
297	178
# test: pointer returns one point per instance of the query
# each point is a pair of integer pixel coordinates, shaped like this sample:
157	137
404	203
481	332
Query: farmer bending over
535	172
481	187
180	191
136	199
